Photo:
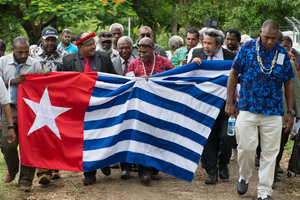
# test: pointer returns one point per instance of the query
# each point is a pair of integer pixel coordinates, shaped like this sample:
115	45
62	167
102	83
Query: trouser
218	145
284	139
247	126
147	170
10	152
126	166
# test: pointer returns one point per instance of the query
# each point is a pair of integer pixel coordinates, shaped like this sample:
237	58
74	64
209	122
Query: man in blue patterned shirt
179	57
264	66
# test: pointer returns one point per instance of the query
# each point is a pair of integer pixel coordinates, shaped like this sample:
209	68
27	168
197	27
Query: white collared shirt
217	56
131	58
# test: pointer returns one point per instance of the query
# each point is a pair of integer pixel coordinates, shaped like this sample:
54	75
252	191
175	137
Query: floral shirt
261	93
178	56
52	62
161	64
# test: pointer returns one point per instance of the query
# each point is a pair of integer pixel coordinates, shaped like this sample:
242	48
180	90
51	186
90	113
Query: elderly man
179	57
232	39
264	66
125	57
12	71
2	48
104	44
200	44
146	31
117	31
49	56
175	42
65	43
217	150
148	63
87	59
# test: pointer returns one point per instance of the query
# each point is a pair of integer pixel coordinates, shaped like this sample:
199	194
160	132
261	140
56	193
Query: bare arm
289	95
230	108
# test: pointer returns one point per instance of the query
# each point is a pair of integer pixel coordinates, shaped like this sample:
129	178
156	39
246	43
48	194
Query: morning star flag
86	121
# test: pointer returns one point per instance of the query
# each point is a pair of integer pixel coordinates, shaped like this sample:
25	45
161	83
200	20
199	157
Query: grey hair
146	27
21	40
124	38
174	41
220	35
116	26
203	30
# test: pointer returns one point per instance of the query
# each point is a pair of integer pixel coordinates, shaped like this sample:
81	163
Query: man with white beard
104	44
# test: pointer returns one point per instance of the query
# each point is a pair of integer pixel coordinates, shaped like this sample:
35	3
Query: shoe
280	171
89	180
146	179
55	175
125	174
267	198
233	154
115	166
24	187
211	179
155	177
8	178
44	179
242	187
106	171
224	172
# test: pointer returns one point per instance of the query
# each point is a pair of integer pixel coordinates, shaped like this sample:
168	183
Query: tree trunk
174	22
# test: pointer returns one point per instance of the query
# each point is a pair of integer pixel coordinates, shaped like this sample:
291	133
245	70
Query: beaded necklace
261	65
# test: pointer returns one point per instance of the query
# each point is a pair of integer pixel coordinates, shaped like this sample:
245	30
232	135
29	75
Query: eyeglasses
144	45
105	35
89	45
211	34
145	34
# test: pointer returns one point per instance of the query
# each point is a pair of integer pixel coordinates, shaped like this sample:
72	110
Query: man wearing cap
146	31
217	150
65	43
49	56
116	30
104	44
87	59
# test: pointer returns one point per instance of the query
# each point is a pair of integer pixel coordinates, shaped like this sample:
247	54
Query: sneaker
233	154
9	178
146	179
242	187
267	198
24	187
44	179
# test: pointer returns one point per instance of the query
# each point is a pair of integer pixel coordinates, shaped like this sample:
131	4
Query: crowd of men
260	67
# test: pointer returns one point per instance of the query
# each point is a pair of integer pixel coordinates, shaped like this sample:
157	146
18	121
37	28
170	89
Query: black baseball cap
49	32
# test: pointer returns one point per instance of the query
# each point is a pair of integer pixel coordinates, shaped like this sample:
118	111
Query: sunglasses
144	45
145	34
211	34
105	35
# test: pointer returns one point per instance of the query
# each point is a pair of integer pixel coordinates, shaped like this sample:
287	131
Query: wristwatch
291	112
9	127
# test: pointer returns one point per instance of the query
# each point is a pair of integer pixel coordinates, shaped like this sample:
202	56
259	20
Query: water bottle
231	126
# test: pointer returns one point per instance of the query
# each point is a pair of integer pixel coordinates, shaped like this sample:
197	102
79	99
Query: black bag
294	163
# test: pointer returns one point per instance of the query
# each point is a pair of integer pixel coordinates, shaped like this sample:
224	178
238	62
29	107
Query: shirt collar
130	59
219	55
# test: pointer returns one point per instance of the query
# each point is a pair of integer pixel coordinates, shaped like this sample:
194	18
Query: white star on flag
45	113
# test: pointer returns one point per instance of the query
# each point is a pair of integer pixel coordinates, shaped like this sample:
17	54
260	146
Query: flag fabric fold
104	119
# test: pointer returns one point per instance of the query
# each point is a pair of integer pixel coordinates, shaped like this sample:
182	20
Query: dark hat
105	35
49	32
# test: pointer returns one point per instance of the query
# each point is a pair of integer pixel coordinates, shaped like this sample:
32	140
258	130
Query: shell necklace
152	67
261	65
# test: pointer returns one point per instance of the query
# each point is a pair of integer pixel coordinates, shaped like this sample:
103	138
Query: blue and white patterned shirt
261	93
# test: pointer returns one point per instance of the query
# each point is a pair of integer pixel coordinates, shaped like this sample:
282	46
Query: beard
106	50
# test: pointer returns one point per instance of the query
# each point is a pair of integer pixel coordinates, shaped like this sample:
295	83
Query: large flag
85	121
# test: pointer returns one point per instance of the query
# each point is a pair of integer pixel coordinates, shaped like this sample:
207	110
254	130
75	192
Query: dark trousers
284	139
147	170
218	145
126	166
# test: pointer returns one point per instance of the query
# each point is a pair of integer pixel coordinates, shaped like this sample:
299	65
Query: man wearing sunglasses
217	151
105	44
146	31
65	43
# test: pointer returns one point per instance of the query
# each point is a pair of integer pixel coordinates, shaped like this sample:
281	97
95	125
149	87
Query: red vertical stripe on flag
43	148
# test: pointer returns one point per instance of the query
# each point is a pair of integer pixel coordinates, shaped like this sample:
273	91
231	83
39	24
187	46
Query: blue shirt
70	49
178	56
261	93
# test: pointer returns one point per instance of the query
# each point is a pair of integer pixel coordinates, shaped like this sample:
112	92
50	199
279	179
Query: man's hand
230	109
184	62
11	135
18	79
146	77
288	122
197	60
45	72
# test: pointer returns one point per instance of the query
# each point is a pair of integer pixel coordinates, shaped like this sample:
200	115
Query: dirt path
70	187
